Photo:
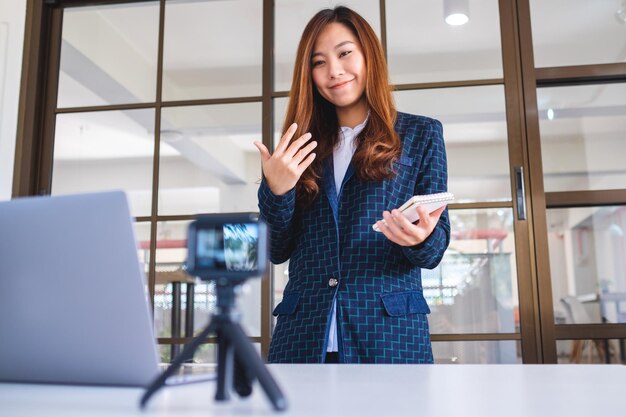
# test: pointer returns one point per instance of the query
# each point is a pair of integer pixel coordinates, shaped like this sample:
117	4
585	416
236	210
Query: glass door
577	125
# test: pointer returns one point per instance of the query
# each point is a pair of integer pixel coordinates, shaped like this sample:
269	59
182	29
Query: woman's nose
335	69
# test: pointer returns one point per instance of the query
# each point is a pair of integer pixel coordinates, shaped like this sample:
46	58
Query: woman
347	158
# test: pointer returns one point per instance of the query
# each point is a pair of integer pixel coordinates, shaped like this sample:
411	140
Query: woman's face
338	66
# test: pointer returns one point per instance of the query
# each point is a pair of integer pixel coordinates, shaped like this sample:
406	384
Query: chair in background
577	314
613	306
613	310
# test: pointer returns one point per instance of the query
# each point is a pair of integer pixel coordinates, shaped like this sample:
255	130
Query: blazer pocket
404	303
288	304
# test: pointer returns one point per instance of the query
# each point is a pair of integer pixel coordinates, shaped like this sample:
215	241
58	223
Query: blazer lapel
328	183
349	174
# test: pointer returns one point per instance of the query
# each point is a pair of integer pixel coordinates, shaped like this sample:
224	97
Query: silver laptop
73	306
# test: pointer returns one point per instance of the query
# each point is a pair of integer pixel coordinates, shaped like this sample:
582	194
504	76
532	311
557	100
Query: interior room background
163	99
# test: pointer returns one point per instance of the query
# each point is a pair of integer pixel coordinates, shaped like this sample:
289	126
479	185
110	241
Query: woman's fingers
384	228
290	159
295	146
305	164
429	220
303	152
400	230
402	222
393	230
435	215
288	149
265	154
391	222
284	141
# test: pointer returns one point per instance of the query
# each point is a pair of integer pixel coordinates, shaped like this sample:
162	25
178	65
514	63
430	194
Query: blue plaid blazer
381	310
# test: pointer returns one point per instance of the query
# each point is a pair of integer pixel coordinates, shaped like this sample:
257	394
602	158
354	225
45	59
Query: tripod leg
224	367
242	382
253	364
187	353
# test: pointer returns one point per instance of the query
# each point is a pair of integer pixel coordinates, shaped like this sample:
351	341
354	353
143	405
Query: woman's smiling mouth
336	86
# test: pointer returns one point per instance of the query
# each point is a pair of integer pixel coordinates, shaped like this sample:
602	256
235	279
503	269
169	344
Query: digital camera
231	246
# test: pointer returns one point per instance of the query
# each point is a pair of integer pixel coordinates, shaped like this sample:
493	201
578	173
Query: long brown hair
378	145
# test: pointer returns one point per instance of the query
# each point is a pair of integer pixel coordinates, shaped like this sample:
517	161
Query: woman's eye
344	53
317	63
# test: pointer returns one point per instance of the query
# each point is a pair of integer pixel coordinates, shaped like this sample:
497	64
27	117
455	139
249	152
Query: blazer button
333	282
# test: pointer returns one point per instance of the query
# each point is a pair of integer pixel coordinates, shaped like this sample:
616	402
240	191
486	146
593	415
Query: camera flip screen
228	247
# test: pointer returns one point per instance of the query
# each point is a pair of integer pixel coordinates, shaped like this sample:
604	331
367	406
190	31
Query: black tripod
233	347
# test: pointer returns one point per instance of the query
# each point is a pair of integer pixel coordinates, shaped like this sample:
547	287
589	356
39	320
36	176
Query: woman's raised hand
283	169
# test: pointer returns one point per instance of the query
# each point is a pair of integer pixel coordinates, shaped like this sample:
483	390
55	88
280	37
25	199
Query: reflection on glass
212	49
588	32
474	289
170	256
591	351
99	151
211	164
479	352
291	16
588	264
105	59
423	48
475	137
582	137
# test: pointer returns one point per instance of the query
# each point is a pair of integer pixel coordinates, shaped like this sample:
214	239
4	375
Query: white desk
359	391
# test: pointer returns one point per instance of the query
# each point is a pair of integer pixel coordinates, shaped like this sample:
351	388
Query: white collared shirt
342	155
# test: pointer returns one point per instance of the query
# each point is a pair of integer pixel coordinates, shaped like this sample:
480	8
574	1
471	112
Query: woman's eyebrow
339	45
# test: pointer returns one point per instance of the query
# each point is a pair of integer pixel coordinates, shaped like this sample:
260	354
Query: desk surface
358	390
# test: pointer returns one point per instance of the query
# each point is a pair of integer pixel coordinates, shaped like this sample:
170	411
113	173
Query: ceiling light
456	12
550	114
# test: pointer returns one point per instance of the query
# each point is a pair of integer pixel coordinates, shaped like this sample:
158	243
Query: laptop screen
73	306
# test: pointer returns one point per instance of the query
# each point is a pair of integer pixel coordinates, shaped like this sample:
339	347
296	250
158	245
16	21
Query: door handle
520	193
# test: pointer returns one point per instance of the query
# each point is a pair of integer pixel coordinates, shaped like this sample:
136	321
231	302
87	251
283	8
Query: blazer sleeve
432	178
278	211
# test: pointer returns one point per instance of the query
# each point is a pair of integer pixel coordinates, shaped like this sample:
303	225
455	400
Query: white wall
12	17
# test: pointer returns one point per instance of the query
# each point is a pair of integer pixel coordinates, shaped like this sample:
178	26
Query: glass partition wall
164	98
577	136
